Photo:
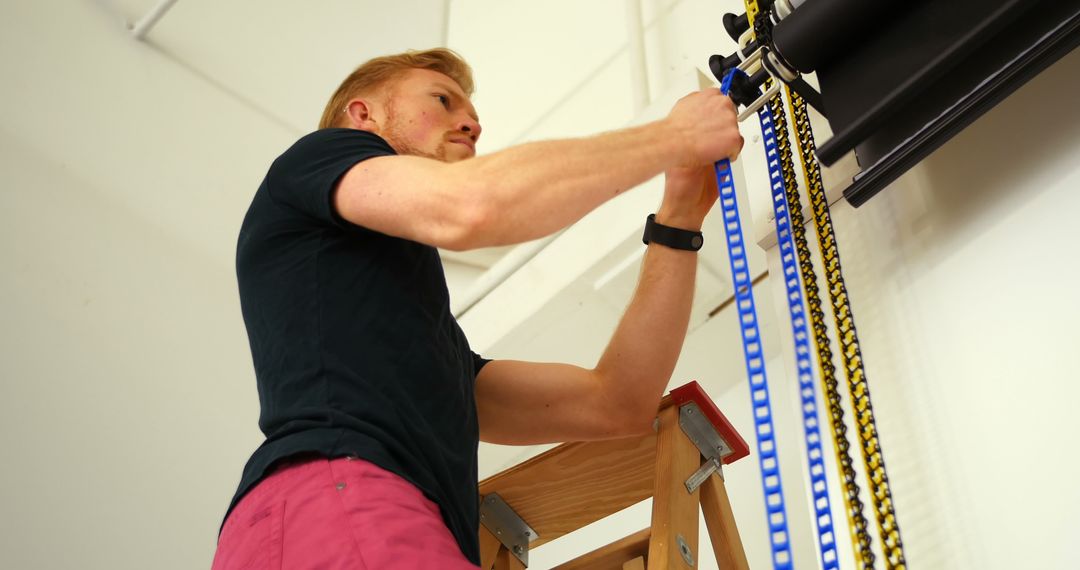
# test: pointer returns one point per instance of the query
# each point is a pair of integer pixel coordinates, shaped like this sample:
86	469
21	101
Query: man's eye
444	100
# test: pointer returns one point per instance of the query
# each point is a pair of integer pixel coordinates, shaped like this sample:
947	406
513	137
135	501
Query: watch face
696	242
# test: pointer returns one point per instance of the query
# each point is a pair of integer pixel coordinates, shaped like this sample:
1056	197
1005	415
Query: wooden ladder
578	483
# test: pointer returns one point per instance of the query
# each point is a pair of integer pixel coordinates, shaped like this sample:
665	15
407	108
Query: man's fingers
709	120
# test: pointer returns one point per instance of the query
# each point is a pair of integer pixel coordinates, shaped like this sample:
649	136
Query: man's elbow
472	223
630	416
636	424
470	228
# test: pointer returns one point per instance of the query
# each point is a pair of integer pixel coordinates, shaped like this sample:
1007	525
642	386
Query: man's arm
522	403
534	189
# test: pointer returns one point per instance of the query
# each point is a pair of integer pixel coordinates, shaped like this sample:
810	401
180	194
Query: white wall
127	395
127	398
120	338
963	282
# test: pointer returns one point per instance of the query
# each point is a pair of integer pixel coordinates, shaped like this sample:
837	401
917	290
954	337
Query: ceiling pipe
639	71
143	26
446	24
498	273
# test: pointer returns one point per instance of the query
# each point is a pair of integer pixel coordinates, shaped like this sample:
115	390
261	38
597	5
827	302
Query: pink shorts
336	513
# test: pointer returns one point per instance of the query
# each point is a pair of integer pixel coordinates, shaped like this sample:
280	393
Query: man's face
427	114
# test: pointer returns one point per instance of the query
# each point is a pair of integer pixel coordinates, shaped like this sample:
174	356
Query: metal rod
499	273
143	26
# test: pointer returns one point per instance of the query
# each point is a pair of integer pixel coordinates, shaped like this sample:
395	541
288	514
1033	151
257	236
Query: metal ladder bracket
701	432
505	524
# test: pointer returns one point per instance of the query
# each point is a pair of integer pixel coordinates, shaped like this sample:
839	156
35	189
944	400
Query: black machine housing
900	78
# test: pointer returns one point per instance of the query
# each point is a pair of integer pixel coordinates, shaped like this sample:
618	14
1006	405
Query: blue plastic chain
779	538
803	364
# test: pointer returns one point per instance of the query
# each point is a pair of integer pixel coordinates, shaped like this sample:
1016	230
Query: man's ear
360	115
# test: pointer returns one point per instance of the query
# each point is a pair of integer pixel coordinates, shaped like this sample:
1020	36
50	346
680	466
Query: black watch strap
671	237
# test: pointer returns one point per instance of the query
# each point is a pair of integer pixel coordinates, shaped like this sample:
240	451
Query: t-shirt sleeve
478	363
304	176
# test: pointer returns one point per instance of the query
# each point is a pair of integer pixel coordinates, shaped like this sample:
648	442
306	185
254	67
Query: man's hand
707	123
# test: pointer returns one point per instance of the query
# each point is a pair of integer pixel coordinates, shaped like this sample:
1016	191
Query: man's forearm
641	356
535	189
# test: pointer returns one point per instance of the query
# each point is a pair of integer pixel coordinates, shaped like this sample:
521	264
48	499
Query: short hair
379	72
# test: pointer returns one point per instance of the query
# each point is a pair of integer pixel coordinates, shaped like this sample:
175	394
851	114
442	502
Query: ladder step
614	555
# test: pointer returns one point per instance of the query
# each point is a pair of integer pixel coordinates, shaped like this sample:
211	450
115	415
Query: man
371	400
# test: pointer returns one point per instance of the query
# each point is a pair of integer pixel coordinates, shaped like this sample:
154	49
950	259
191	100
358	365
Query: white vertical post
639	76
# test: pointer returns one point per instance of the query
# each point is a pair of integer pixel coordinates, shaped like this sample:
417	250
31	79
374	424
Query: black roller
818	30
736	25
719	65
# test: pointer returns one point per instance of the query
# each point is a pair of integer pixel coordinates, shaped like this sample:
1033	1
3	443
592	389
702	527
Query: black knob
736	25
720	65
745	89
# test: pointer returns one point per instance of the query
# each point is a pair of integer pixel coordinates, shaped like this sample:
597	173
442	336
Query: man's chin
459	152
454	153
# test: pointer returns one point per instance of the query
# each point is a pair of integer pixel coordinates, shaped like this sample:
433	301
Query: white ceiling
284	63
282	59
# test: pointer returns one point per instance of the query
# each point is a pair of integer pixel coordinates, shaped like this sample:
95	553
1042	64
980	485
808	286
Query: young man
371	400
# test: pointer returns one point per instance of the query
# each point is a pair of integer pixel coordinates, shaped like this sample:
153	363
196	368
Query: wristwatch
671	237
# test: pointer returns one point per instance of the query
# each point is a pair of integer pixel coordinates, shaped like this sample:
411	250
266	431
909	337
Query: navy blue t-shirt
355	349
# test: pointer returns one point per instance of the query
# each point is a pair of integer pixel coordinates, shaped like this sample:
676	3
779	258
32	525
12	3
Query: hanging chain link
874	461
866	432
864	552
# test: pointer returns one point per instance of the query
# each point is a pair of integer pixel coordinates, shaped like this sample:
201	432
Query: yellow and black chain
861	539
873	459
863	542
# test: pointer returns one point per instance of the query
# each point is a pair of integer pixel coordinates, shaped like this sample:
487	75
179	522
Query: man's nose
470	126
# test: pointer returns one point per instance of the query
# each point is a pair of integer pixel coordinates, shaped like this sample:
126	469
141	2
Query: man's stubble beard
392	134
